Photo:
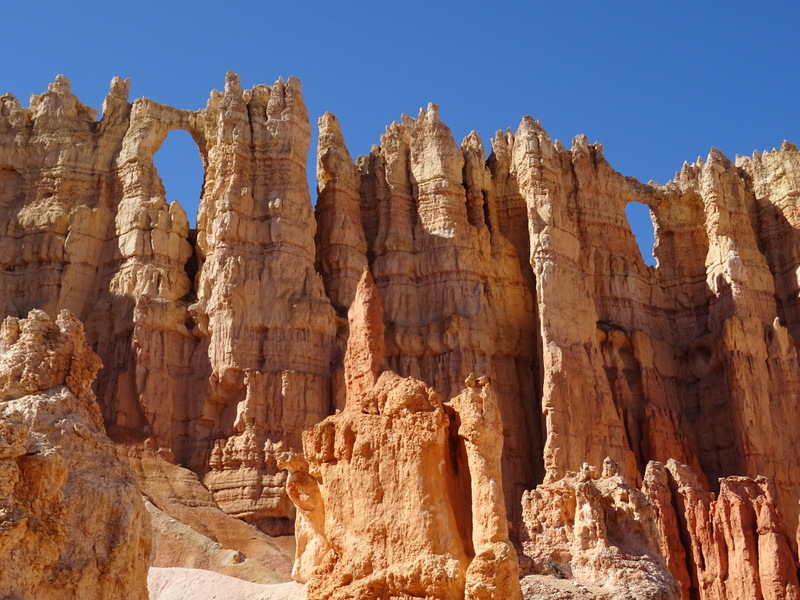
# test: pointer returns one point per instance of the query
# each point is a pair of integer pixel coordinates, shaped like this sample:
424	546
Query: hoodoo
230	372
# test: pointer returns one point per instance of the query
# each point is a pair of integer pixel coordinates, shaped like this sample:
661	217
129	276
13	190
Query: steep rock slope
215	351
690	360
458	294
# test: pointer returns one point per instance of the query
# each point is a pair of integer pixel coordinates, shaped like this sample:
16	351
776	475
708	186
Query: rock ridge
221	346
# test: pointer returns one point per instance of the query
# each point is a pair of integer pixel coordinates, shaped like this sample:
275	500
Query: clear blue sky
656	82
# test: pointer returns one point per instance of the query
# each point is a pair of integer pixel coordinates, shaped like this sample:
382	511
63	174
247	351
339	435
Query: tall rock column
494	570
457	296
382	513
746	369
148	347
582	422
262	308
341	243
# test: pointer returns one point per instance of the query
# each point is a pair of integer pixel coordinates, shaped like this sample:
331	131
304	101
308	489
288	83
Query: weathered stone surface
493	571
736	544
457	293
221	345
687	360
216	343
72	522
380	508
269	323
598	530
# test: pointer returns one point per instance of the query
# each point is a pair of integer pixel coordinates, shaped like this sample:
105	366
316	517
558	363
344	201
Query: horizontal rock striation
216	344
458	295
222	345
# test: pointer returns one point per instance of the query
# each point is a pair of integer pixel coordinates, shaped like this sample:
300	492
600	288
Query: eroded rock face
688	360
222	345
458	294
733	546
380	508
599	531
216	343
72	521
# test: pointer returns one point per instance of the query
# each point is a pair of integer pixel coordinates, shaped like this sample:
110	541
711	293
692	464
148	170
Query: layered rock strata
72	522
381	511
729	546
689	360
216	344
457	291
221	345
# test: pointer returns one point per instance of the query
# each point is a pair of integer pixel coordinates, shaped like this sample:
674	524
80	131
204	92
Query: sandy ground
175	583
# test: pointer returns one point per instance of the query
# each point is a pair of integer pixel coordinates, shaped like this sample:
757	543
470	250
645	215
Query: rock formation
221	345
380	497
72	522
458	295
216	351
733	546
594	528
191	531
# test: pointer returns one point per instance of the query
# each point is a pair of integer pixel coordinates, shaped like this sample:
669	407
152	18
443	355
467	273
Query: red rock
735	545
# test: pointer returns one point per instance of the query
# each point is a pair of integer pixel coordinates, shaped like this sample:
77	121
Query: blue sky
656	83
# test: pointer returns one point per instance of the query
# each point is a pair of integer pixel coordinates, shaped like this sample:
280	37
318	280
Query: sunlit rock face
72	521
594	528
216	344
400	496
733	545
221	345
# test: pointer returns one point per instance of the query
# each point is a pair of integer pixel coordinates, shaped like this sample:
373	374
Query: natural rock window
181	170
642	223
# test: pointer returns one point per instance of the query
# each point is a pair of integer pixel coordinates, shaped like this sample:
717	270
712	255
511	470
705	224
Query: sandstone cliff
72	522
594	528
216	351
221	345
731	546
458	295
